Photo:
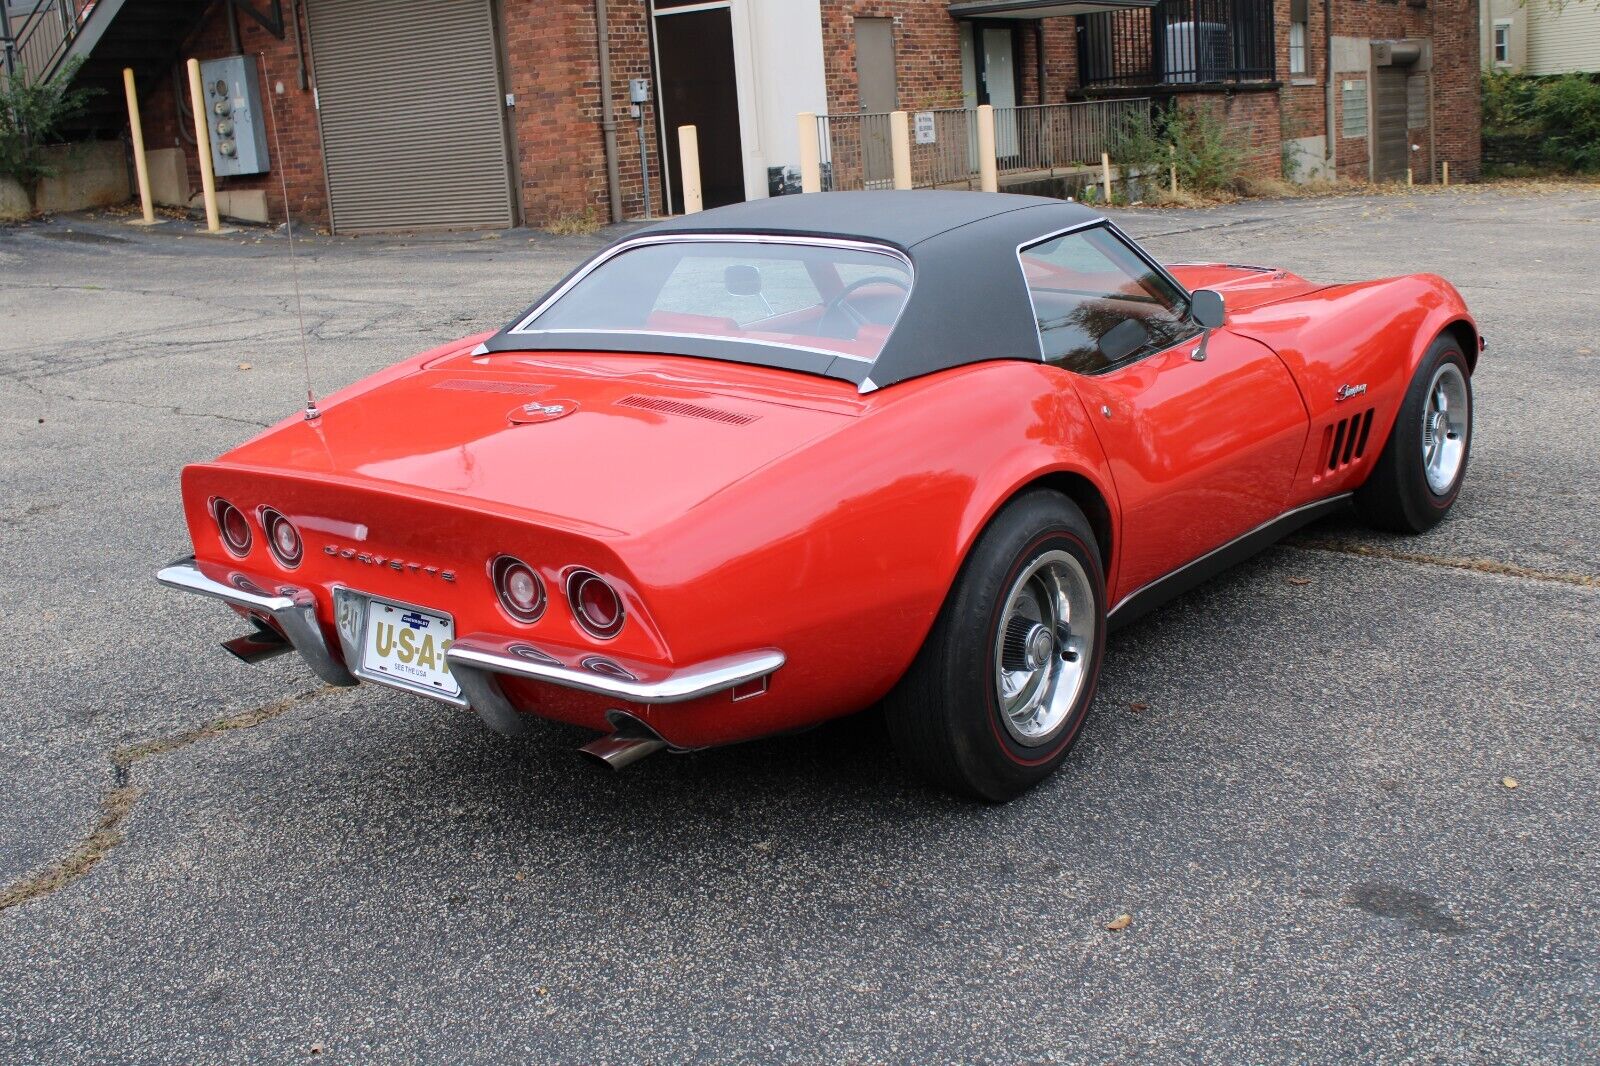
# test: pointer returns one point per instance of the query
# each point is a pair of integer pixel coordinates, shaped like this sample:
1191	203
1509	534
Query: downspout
10	62
1328	93
1038	57
608	118
1433	142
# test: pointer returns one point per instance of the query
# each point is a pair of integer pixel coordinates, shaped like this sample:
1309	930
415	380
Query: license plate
407	646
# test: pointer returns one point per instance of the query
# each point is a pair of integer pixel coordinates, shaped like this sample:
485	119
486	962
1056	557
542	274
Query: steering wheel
838	302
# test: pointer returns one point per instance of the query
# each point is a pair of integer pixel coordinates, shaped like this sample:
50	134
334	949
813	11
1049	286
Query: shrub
1206	152
1552	120
31	117
1568	110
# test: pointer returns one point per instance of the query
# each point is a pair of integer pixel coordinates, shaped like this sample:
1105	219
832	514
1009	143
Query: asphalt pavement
1297	781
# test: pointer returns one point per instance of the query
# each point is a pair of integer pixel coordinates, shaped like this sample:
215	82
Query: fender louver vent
686	409
1345	441
509	388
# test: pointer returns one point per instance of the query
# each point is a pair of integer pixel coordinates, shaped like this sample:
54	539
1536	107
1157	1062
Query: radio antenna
312	414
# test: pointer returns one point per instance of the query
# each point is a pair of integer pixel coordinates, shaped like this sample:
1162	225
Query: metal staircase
98	38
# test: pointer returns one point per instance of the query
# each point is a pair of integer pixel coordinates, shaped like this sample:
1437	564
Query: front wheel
995	698
1419	473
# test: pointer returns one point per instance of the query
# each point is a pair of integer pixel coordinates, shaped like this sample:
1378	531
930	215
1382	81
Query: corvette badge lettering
1346	391
400	565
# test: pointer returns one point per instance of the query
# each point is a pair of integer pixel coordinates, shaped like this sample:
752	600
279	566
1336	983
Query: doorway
699	88
878	95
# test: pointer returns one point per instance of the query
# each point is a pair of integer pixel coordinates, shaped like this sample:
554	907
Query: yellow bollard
202	136
900	146
689	168
988	171
810	153
1446	166
1410	178
1172	167
136	127
1105	174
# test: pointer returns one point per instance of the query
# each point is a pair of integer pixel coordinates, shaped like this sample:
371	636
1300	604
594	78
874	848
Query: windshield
1098	303
840	300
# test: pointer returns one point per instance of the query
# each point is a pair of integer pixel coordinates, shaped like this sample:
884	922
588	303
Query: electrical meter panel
234	116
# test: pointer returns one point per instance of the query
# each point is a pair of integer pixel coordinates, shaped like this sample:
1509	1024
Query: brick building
397	114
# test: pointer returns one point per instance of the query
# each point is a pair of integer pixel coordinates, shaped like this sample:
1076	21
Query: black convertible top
968	302
903	220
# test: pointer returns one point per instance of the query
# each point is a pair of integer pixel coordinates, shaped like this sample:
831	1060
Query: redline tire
946	717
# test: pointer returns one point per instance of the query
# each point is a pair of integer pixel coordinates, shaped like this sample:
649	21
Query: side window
1098	304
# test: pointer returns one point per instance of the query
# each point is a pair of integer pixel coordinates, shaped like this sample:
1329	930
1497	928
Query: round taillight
519	588
595	604
283	540
233	525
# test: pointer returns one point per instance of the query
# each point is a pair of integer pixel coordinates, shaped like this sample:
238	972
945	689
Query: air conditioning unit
1197	52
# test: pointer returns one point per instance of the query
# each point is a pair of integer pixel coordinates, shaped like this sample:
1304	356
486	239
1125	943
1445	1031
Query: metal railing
857	151
1178	42
41	33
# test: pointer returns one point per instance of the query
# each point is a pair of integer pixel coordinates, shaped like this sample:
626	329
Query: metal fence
857	152
41	31
1178	42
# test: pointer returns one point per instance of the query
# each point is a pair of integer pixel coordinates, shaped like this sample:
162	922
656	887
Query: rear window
834	299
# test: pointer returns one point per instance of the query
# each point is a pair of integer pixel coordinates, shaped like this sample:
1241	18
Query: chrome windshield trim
293	609
484	654
523	326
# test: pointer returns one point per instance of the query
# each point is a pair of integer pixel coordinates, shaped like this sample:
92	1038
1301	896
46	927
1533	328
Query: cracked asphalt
1295	780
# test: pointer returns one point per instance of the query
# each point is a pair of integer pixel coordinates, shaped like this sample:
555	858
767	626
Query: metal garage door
411	112
1389	140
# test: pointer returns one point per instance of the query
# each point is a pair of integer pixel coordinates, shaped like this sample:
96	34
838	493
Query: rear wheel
1418	476
996	696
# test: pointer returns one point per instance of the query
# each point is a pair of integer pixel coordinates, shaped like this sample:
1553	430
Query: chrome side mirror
1206	308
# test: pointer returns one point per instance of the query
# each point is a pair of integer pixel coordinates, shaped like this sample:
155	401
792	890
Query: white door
1000	83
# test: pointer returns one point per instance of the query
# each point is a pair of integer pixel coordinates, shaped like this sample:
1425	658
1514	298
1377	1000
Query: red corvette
756	468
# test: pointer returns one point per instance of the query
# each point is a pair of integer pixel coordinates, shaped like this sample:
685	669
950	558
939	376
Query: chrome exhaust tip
259	646
629	741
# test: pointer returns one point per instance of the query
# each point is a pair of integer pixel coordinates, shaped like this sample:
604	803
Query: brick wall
293	109
551	64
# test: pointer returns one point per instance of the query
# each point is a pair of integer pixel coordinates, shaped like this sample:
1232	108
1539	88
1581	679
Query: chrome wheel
1043	647
1446	425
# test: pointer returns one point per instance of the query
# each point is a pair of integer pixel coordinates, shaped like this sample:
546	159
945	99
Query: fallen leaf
1299	581
542	990
1510	782
1119	923
521	876
244	366
41	421
1136	708
1585	351
316	1049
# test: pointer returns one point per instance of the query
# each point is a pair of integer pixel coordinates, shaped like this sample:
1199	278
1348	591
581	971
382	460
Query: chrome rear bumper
479	660
293	609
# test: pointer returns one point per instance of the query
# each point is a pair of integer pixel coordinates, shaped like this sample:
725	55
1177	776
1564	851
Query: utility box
234	116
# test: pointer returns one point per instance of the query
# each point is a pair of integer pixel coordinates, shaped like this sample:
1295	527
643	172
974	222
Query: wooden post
1172	167
900	147
689	164
1105	174
810	153
202	147
988	171
136	127
1446	167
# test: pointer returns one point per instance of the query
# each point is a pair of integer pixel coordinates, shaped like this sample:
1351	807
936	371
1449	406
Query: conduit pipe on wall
1327	77
608	117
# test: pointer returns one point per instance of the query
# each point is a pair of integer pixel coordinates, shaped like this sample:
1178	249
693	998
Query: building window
1502	42
1297	36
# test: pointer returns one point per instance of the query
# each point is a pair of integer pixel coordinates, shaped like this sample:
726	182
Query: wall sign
925	131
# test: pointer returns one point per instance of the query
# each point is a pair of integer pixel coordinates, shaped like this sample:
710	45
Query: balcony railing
857	153
1177	43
